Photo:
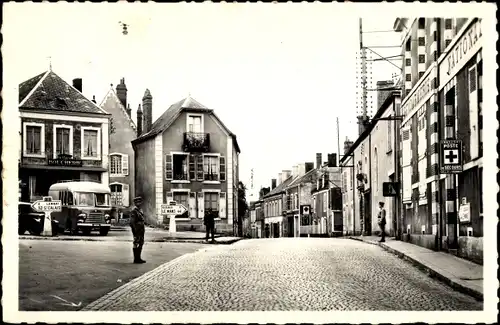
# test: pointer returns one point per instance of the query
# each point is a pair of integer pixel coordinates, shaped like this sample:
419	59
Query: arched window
118	164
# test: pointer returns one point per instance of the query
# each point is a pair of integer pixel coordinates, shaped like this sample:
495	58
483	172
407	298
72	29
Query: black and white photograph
249	162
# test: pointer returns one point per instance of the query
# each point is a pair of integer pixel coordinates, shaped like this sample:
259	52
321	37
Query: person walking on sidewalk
209	221
137	225
381	220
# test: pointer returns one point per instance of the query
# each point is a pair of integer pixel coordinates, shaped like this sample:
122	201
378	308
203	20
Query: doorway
368	212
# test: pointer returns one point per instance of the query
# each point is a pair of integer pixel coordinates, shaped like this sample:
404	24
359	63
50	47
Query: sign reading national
451	156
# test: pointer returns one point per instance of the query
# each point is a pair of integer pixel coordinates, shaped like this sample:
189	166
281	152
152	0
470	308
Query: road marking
68	303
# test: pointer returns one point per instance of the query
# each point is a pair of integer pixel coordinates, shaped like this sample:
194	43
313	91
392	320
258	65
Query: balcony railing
196	142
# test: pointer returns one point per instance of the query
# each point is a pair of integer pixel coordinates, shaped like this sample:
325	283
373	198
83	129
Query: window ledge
33	155
211	182
179	182
117	175
90	158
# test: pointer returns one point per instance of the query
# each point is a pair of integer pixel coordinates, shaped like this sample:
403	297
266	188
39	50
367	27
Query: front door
368	213
291	230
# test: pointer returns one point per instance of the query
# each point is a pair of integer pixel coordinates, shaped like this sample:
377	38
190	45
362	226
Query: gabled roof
304	178
112	93
280	188
50	92
173	112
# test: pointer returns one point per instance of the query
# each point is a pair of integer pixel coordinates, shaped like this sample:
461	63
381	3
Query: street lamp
395	118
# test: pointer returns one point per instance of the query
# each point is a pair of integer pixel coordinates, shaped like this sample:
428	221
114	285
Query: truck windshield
102	199
84	199
92	199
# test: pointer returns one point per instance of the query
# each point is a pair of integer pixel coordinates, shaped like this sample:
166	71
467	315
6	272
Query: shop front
460	91
35	179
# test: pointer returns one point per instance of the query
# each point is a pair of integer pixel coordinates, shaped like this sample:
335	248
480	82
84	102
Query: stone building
64	136
189	156
121	154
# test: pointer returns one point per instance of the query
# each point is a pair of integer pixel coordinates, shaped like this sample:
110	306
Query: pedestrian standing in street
209	221
137	225
382	220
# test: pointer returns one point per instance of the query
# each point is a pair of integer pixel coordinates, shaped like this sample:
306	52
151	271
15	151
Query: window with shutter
125	195
192	167
222	204
170	197
199	167
168	167
124	164
222	168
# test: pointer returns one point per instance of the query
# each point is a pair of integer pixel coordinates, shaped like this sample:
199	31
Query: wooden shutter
192	167
125	195
192	205
199	167
124	164
201	205
222	168
474	114
168	167
222	205
170	197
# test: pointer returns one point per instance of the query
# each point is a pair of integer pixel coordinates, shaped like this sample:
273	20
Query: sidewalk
460	274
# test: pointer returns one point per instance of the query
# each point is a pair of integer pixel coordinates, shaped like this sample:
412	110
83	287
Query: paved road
288	274
82	271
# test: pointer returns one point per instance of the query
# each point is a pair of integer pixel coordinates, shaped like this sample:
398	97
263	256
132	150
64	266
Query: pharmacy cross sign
451	156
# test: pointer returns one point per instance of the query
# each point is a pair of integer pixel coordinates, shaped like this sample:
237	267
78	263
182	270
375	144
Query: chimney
301	169
77	83
318	160
273	184
347	145
295	171
121	92
139	120
381	93
147	106
129	111
93	99
309	166
332	160
285	174
279	179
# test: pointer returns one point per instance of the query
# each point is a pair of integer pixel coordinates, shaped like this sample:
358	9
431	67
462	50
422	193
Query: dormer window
194	123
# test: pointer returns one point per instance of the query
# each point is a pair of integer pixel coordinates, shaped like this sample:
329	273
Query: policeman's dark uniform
137	225
209	221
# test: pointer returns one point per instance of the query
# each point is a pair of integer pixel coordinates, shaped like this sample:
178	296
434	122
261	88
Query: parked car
32	221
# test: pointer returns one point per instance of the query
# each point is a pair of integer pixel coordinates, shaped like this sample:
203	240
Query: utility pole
363	70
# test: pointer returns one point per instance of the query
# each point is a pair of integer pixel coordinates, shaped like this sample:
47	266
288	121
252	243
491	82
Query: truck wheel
103	231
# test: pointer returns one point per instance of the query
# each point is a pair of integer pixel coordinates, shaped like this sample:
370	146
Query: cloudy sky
277	75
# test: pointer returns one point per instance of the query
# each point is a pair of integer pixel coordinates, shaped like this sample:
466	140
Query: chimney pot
309	166
121	92
273	183
139	120
93	99
77	83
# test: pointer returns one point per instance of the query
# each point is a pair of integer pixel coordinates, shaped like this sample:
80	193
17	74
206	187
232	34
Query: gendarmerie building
64	135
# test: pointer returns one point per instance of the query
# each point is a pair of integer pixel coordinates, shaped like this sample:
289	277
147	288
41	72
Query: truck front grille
95	218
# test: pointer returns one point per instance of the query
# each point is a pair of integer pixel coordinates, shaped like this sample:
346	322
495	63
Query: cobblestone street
286	274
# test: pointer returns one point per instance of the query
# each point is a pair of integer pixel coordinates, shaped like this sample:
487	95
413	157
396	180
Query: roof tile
55	94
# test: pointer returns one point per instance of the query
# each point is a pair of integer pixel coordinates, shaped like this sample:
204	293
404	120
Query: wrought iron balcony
196	142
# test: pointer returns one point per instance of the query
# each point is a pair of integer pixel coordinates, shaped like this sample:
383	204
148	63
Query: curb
432	273
110	296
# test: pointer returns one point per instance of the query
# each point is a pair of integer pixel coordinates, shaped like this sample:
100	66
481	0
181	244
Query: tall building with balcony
64	136
188	156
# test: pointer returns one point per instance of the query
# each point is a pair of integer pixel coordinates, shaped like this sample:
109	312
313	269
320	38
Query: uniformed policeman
137	225
209	223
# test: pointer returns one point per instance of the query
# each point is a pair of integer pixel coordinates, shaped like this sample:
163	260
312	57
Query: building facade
64	135
195	163
121	154
440	102
366	165
273	203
